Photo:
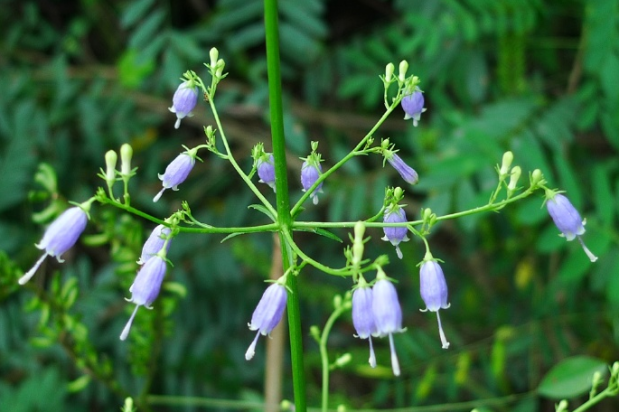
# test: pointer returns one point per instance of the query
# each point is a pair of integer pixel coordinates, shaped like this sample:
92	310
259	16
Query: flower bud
402	70
343	360
268	313
395	235
176	172
537	177
405	171
110	163
126	154
213	55
220	68
506	162
389	71
515	174
265	167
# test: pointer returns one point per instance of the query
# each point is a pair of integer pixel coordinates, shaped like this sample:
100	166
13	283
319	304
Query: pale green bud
398	193
213	54
537	176
562	406
515	174
220	67
389	71
506	162
426	214
286	405
343	360
402	70
110	164
337	301
126	154
341	408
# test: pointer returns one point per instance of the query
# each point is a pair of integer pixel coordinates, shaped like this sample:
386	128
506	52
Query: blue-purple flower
413	105
567	219
387	313
434	292
155	243
268	313
310	172
184	101
265	167
61	235
396	235
176	172
407	172
145	287
363	318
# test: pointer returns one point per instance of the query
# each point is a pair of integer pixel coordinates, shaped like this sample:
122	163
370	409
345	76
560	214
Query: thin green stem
284	219
596	399
344	272
234	163
354	152
325	357
202	230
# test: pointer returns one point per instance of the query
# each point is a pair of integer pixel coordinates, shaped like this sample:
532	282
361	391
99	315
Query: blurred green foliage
81	77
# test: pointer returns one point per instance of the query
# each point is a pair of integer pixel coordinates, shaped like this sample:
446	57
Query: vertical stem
282	199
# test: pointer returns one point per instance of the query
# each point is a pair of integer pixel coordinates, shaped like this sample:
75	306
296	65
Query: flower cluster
376	312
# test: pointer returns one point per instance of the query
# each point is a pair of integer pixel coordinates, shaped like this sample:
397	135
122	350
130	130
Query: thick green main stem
282	199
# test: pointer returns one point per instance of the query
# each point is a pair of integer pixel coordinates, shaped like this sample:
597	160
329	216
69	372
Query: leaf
571	377
323	232
233	235
264	210
135	11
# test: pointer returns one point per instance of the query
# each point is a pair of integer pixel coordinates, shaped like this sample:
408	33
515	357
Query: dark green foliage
535	77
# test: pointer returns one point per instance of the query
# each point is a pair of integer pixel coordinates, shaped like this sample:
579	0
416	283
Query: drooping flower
434	292
310	172
154	243
61	235
145	287
268	312
567	219
396	235
387	313
177	171
363	318
265	167
184	101
407	172
413	105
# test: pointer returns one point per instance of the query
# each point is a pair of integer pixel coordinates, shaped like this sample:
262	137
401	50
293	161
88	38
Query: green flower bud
343	360
126	154
389	71
402	70
110	163
213	54
506	162
515	174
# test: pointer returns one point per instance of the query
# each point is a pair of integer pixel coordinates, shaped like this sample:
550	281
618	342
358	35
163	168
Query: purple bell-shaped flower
184	101
363	318
61	235
396	235
268	312
176	172
265	167
434	292
155	243
567	219
387	313
145	287
404	170
310	172
413	105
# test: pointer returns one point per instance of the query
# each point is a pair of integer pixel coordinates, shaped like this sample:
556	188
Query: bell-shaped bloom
363	318
413	105
145	287
267	171
155	243
387	314
434	292
396	235
404	170
267	314
567	219
176	172
310	172
61	235
184	101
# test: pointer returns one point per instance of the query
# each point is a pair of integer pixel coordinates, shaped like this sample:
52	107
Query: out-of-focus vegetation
536	77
